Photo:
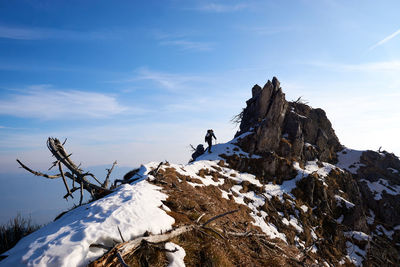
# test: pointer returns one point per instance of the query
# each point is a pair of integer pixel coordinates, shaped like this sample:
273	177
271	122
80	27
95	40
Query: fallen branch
219	216
74	172
120	234
65	182
38	173
100	246
109	171
121	260
126	248
155	171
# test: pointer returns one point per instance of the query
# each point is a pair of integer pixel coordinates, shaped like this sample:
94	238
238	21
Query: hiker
198	152
208	139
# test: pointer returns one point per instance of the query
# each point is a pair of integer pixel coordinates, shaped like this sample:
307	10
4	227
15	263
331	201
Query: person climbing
208	139
198	151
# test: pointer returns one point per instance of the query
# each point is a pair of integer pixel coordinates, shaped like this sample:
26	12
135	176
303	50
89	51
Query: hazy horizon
138	82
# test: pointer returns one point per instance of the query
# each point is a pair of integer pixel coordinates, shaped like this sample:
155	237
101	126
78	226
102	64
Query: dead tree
116	254
80	179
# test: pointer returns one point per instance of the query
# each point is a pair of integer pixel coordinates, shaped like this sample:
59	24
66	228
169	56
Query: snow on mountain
66	242
295	196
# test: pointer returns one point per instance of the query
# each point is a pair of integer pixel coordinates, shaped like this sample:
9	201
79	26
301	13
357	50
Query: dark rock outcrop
381	170
283	132
290	129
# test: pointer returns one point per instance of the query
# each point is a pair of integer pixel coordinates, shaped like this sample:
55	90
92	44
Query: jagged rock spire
287	128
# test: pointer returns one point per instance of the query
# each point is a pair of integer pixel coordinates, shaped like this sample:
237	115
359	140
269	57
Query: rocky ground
294	196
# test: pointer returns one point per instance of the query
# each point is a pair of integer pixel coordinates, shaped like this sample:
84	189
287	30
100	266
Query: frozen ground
65	242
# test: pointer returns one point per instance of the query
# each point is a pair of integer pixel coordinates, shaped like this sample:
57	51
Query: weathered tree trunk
75	173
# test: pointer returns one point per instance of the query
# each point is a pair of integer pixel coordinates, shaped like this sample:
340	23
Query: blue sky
138	81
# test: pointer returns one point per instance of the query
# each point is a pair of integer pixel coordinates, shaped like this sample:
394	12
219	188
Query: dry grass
14	230
206	248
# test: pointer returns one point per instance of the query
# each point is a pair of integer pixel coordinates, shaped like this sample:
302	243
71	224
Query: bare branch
92	175
72	191
155	171
212	230
121	260
219	216
65	181
109	259
80	201
74	172
120	234
237	119
201	216
55	163
107	180
61	155
100	246
38	173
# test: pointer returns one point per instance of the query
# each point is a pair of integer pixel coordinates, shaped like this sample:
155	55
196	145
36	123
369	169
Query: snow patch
393	170
293	222
355	254
382	230
349	159
360	236
340	200
371	218
304	208
380	186
230	148
297	114
175	259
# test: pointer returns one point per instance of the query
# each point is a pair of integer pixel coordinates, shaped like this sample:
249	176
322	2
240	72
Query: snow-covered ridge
138	208
65	242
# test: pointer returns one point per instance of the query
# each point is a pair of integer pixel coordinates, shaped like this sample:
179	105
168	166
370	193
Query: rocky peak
290	129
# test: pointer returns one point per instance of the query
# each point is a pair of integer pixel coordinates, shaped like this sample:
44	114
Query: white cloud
20	33
44	102
32	33
188	45
167	80
385	40
182	41
380	66
267	30
221	8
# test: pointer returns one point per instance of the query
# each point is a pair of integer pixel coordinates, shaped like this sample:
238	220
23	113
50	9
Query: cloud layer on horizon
45	102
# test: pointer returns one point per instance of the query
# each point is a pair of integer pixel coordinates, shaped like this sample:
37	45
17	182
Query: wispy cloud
267	30
188	45
34	33
385	40
181	41
381	66
221	8
170	81
45	102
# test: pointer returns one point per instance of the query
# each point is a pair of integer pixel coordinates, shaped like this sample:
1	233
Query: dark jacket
209	136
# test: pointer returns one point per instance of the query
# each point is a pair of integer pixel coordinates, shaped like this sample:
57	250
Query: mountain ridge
302	199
